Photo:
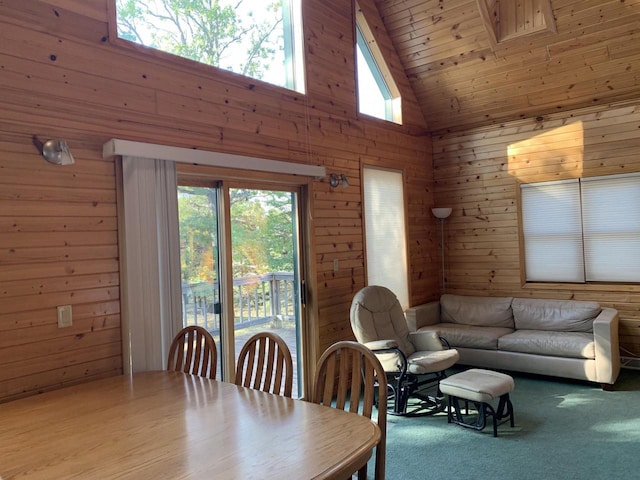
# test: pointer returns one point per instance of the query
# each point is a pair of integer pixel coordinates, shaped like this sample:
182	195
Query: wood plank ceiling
462	78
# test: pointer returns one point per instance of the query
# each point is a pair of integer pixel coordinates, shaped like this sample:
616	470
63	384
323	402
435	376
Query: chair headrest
376	298
376	314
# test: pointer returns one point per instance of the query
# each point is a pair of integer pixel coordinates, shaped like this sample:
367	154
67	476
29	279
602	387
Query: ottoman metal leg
504	412
505	404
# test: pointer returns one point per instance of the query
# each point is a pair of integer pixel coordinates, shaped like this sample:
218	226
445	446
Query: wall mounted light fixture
336	179
54	151
441	214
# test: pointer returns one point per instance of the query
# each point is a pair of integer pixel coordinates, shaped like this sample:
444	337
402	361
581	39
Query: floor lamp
441	214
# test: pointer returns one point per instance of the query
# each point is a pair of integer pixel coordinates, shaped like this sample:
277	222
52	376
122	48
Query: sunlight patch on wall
556	154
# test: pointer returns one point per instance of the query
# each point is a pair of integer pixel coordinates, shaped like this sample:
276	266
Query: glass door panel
199	259
265	266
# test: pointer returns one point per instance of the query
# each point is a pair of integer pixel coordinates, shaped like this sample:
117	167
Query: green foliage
262	232
219	33
198	227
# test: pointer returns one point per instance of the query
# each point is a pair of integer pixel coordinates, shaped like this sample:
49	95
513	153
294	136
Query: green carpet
563	430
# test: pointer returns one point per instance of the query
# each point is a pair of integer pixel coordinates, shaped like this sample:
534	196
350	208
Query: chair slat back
193	351
265	364
346	378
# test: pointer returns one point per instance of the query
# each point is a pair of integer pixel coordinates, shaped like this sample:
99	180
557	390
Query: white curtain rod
202	157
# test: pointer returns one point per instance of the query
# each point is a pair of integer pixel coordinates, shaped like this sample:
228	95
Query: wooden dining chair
346	377
265	364
193	351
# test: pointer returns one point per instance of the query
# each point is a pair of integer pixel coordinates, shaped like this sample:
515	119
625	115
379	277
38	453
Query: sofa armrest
426	341
605	335
423	315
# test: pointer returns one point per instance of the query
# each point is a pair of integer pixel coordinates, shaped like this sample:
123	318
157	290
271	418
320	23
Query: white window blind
582	230
611	219
385	231
552	231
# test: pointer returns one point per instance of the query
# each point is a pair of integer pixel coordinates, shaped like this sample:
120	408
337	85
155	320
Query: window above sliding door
261	40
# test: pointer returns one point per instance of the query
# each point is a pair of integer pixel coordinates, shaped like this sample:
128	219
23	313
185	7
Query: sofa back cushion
554	315
480	311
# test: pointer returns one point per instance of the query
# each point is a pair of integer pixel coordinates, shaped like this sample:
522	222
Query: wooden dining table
169	425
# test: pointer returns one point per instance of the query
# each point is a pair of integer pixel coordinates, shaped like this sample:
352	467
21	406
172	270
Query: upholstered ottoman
479	387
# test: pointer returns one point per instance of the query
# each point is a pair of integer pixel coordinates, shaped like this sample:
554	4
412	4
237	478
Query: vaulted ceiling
464	75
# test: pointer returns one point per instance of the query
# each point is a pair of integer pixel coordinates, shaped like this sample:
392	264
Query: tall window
262	40
378	95
582	230
385	231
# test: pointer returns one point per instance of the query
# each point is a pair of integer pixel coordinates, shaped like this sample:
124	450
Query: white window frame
582	230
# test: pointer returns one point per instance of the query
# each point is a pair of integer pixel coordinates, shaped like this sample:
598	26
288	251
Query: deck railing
257	299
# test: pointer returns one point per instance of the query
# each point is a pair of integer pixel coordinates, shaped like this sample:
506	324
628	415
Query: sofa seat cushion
469	336
556	344
556	315
481	311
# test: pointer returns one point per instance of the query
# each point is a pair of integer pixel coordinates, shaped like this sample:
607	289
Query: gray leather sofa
562	338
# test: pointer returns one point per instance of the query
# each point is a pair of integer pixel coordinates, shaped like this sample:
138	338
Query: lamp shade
441	212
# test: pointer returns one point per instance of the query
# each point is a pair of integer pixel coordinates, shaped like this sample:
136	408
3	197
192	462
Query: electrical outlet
65	317
336	265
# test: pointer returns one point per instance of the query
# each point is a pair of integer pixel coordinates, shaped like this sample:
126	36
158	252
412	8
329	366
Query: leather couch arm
423	315
605	335
426	341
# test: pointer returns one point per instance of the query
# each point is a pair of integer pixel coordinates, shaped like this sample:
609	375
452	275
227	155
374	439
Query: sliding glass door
199	260
240	266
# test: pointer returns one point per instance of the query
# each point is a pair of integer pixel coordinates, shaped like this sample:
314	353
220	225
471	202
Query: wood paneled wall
477	173
60	76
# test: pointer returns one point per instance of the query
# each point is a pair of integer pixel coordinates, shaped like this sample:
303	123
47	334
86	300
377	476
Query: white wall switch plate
65	317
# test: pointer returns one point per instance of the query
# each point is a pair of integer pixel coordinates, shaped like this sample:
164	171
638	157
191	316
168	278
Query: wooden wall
60	76
476	172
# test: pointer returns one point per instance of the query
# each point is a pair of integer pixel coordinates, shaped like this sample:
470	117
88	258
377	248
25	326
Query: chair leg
362	473
404	387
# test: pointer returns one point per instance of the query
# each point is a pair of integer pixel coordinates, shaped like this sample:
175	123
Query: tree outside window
260	40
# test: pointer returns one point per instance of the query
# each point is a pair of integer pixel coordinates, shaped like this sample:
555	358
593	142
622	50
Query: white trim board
202	157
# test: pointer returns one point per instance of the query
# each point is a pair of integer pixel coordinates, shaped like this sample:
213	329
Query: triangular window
378	94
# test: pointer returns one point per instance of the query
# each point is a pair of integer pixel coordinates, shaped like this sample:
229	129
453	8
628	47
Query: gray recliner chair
414	361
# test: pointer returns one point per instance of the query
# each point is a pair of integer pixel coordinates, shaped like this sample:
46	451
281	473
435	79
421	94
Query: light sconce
336	179
54	151
441	214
